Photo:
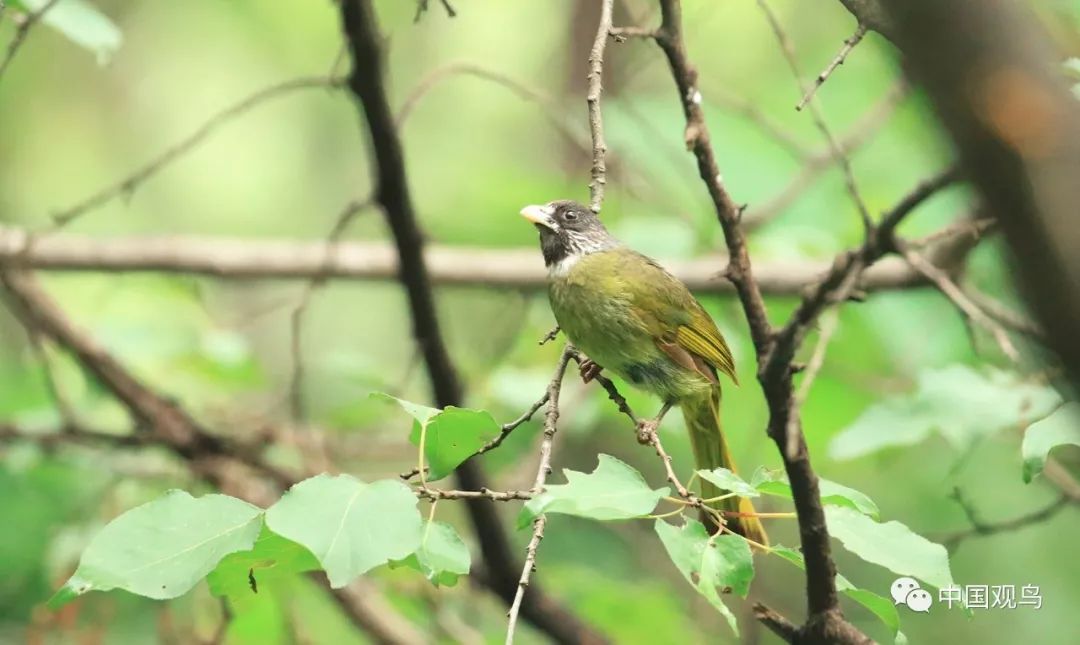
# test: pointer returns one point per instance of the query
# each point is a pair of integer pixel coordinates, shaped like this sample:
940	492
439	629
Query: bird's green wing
672	315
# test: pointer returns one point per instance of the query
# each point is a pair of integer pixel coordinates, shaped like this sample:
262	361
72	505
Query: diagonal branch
551	419
837	61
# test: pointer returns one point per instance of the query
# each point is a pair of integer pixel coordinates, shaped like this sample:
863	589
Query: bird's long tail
702	415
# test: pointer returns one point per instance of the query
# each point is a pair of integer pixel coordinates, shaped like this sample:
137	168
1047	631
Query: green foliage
162	548
891	545
772	482
442	555
271	558
449	436
614	491
960	403
82	24
712	565
881	607
1061	427
351	526
726	480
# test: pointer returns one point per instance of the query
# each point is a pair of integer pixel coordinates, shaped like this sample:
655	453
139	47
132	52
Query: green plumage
633	318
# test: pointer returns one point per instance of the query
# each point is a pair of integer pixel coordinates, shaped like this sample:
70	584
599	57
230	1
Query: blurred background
74	121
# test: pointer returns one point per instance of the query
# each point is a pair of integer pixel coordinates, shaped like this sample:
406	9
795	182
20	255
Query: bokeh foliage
475	153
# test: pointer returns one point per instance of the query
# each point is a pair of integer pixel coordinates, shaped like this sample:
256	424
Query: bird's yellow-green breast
619	308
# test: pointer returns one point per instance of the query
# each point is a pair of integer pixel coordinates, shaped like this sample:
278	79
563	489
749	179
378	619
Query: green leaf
1060	428
351	526
442	555
450	436
891	545
724	479
880	606
958	402
162	548
721	563
272	557
81	23
614	491
775	483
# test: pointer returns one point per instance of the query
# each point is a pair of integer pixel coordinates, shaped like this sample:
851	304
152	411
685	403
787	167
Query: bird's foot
589	370
646	430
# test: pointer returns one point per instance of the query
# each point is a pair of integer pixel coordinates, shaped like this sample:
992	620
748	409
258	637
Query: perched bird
633	318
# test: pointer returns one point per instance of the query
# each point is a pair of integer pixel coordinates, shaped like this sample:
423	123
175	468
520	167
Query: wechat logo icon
906	591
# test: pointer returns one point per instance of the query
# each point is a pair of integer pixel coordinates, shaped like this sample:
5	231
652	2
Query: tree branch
994	79
837	61
551	419
596	120
392	193
251	259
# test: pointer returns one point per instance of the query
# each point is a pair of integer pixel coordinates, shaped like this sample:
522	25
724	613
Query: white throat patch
563	266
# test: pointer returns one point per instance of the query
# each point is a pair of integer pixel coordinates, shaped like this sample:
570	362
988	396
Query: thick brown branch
392	192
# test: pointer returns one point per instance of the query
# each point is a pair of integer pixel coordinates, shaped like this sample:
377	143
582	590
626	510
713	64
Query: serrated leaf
891	545
82	23
162	548
880	606
724	479
451	435
1061	427
721	563
614	491
271	558
349	525
775	483
958	402
442	555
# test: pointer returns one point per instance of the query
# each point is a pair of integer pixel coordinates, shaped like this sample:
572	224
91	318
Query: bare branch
820	161
981	529
551	419
970	310
819	120
782	627
130	183
841	56
596	120
21	32
519	269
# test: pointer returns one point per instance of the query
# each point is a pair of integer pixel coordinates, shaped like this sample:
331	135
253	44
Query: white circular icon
900	589
919	600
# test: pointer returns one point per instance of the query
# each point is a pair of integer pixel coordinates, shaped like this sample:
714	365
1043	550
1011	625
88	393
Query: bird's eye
570	216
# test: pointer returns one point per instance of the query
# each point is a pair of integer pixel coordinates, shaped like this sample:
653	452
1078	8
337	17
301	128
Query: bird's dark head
568	230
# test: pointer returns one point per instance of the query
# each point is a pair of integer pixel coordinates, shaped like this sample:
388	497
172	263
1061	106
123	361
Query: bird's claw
646	430
589	370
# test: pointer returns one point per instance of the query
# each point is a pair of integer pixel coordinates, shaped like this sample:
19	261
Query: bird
631	317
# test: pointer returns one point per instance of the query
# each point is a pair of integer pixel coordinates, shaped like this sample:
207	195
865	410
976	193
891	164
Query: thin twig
818	162
829	322
981	529
483	493
21	32
819	120
969	309
596	120
299	312
837	61
551	419
128	185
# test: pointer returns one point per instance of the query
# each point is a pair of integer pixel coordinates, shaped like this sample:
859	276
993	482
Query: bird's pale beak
542	215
